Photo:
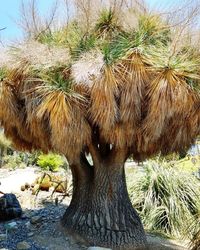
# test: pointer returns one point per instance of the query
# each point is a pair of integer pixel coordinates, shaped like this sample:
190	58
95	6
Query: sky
10	13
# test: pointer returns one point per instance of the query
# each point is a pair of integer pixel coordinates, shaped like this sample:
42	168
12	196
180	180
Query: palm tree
112	92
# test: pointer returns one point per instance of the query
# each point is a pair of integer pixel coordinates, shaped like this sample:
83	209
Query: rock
11	208
3	237
98	248
23	245
27	185
23	188
11	226
3	203
30	234
24	217
28	224
36	219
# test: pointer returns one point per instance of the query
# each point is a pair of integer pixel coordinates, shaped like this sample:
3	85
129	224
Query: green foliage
152	30
50	162
55	78
86	43
68	35
13	161
3	73
4	142
107	24
167	199
188	164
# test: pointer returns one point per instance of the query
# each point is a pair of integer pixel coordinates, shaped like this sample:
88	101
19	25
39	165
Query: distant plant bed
13	161
50	162
167	199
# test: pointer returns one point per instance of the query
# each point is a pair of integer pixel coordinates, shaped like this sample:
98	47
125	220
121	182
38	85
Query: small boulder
11	208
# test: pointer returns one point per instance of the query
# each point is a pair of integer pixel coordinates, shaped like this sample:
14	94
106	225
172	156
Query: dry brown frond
184	128
39	129
121	135
67	122
104	111
132	89
13	118
16	111
171	106
8	104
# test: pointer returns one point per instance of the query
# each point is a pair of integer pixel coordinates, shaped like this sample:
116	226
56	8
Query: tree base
101	213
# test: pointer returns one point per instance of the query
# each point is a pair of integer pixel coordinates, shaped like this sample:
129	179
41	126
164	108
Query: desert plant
167	199
13	161
129	91
46	181
5	144
51	162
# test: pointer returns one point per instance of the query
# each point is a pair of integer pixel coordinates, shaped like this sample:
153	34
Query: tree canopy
128	79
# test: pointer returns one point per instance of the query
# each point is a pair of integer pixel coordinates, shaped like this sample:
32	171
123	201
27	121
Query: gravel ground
45	232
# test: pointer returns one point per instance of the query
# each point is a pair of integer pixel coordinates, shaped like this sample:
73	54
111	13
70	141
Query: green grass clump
167	199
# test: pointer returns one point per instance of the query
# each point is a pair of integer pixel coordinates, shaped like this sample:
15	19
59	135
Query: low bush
167	199
50	162
13	161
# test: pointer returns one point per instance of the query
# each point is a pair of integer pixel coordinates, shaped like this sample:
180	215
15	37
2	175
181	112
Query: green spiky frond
107	24
134	88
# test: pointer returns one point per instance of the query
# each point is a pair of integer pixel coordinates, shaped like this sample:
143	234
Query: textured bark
100	212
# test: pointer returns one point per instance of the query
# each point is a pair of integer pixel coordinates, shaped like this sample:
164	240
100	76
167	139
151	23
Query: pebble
11	226
3	237
28	224
36	219
23	245
30	234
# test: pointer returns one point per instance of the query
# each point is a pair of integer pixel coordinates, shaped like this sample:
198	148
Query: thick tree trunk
100	212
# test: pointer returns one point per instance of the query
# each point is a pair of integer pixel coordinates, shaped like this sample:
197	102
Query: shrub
13	161
50	162
167	199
